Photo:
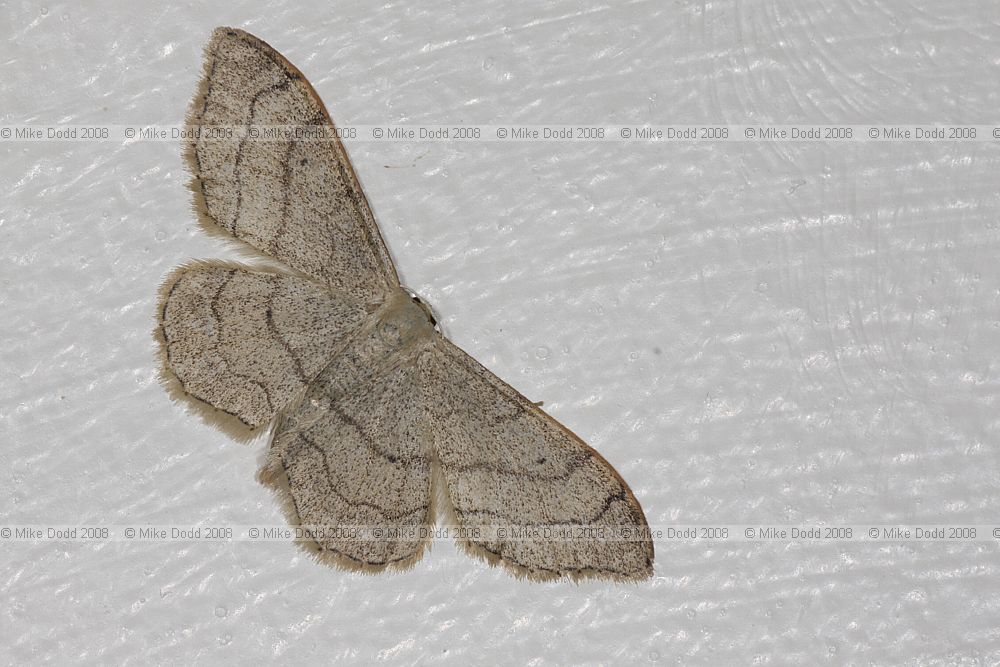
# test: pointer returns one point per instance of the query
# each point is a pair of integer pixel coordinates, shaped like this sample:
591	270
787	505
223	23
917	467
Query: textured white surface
769	333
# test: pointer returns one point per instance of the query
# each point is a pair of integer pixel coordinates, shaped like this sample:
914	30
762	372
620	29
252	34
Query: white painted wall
760	332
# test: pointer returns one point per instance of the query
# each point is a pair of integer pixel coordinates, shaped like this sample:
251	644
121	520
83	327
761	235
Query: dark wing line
273	328
218	319
610	499
462	357
238	160
361	205
354	503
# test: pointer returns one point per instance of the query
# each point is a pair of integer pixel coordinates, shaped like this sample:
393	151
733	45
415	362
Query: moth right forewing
508	468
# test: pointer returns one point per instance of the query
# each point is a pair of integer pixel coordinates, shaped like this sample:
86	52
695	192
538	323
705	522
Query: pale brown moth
379	420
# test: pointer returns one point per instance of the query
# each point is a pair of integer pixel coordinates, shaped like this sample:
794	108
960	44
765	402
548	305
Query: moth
379	422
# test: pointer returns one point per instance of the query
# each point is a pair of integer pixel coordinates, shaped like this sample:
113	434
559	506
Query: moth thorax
405	319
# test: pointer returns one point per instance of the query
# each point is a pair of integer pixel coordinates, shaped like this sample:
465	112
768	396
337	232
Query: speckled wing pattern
380	423
354	451
247	342
520	476
297	199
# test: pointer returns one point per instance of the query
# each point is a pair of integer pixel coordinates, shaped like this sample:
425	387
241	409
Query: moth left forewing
545	504
269	169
